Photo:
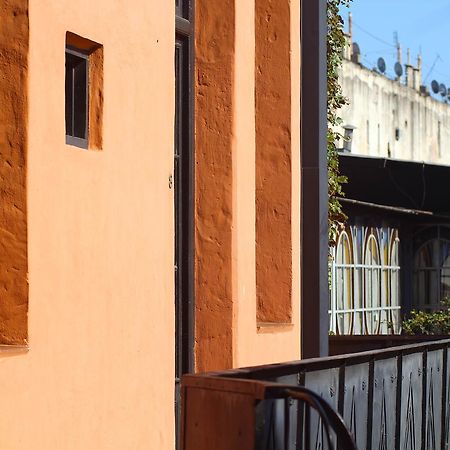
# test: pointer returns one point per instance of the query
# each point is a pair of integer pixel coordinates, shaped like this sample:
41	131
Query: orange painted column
214	48
14	43
273	161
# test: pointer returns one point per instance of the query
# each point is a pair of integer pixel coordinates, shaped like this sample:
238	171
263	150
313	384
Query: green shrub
429	323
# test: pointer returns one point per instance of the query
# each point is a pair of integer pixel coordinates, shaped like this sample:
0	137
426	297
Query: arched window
344	284
431	268
365	291
393	285
372	283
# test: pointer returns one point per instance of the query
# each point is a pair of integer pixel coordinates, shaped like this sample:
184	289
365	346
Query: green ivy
429	323
336	99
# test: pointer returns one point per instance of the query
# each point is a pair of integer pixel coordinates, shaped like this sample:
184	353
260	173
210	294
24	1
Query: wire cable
373	36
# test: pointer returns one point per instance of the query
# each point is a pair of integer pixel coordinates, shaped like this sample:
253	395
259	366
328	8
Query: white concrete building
392	119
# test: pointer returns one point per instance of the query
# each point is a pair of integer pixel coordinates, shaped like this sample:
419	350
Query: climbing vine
336	99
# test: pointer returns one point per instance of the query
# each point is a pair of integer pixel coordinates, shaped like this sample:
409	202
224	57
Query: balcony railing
396	398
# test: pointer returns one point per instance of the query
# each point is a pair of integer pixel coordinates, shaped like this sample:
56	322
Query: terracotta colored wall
96	99
99	373
214	176
273	161
256	343
230	179
13	142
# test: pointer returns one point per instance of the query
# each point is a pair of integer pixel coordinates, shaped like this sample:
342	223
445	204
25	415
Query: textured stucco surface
96	99
100	370
213	184
273	161
99	374
253	344
225	129
14	32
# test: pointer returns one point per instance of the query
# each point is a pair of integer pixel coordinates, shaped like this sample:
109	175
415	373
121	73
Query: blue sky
422	25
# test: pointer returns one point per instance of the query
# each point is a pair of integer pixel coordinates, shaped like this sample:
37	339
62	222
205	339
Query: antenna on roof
381	64
398	47
398	68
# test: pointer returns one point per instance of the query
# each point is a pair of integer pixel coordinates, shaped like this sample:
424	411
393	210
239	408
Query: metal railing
396	398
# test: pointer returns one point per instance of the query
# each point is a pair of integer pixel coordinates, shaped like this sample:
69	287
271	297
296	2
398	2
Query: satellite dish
435	86
381	64
398	68
355	49
442	90
448	93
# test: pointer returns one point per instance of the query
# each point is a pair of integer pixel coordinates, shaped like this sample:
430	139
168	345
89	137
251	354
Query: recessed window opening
368	133
84	95
77	98
439	139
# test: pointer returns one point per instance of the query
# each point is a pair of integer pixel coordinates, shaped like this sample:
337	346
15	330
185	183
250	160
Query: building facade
398	116
152	190
392	256
392	119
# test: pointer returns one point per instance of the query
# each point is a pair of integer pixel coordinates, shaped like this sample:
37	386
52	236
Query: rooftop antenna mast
350	25
398	47
398	65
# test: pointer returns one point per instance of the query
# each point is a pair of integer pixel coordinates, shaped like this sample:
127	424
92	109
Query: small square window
77	98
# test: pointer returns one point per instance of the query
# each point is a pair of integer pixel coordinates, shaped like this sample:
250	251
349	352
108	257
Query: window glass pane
80	99
76	96
426	287
445	253
182	8
445	284
69	97
432	267
424	257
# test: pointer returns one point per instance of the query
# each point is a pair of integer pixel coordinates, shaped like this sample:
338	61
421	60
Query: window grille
365	282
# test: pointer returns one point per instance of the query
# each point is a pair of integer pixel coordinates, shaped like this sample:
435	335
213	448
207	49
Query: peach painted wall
253	345
99	373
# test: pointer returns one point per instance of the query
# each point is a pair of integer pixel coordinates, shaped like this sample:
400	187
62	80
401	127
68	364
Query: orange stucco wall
214	71
99	373
273	161
14	33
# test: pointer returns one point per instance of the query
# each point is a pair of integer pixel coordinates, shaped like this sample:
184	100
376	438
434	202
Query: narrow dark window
183	199
439	139
77	98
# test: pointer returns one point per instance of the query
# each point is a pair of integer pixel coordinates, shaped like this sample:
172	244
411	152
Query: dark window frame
184	198
70	138
183	9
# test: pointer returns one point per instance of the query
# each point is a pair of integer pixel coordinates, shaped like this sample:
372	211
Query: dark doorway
184	200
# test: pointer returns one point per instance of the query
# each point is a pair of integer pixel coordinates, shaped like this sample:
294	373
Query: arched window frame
360	311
